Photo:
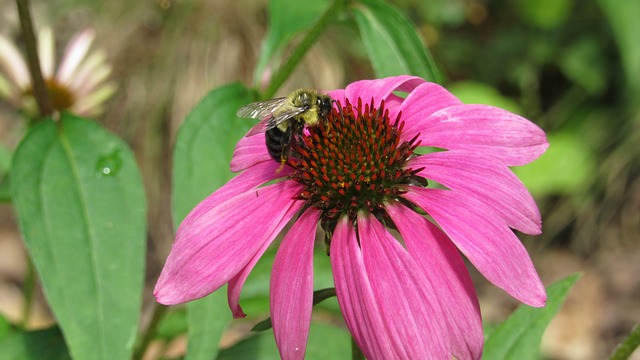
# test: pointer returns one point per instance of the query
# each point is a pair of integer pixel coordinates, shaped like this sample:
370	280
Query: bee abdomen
275	139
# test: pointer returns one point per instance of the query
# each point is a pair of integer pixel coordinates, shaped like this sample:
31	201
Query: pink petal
245	181
490	245
249	151
337	95
381	89
235	285
486	179
75	51
291	291
422	102
446	271
355	296
408	305
212	248
482	128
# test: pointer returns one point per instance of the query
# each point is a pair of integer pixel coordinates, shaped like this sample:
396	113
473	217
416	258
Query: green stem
628	345
158	313
298	53
28	289
356	353
40	91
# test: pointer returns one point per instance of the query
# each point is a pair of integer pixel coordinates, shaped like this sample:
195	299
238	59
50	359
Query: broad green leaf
47	344
519	336
203	150
568	158
5	327
285	22
325	342
81	207
393	44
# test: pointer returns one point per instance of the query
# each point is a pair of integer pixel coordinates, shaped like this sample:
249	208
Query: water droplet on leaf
109	165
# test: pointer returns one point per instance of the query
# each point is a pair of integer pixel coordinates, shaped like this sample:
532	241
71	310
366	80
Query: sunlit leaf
520	335
393	44
545	14
203	150
80	203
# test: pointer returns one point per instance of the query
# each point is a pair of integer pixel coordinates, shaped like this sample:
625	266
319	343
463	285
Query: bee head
324	106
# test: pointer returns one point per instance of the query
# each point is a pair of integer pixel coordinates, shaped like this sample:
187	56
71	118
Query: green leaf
47	344
325	342
203	150
519	336
81	208
285	22
393	44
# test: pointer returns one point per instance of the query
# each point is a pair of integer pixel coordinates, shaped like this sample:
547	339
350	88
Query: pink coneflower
78	85
360	178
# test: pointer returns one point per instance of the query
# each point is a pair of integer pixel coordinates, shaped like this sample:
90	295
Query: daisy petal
13	64
408	304
248	152
46	52
491	246
291	292
355	296
482	128
75	51
214	247
446	271
485	178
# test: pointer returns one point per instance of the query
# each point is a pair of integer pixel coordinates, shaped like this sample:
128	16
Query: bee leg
284	153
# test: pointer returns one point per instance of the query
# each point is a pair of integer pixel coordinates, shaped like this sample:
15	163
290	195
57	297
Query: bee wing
261	109
271	112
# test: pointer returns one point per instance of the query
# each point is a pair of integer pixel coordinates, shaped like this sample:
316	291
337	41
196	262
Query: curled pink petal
422	102
443	266
291	291
13	65
381	89
492	247
483	177
483	129
213	248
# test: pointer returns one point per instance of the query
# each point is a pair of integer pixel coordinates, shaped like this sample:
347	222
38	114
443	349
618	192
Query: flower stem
40	91
628	345
158	313
298	53
356	353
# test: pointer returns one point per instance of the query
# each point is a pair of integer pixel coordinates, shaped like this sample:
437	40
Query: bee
283	119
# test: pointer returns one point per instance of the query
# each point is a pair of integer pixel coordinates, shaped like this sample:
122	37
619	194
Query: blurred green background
571	66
